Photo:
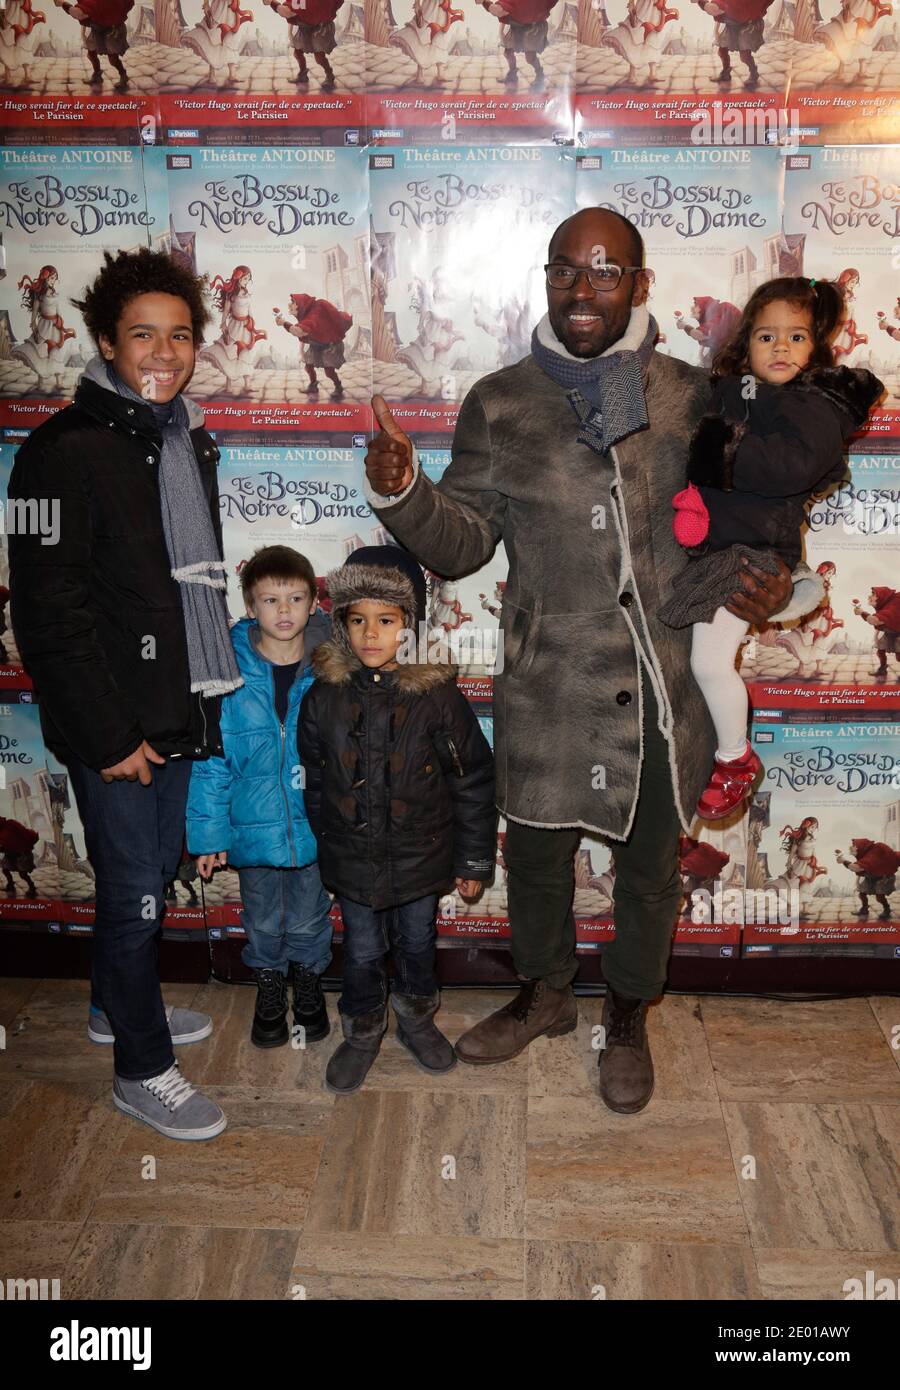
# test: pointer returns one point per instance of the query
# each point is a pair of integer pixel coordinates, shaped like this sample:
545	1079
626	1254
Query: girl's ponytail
827	312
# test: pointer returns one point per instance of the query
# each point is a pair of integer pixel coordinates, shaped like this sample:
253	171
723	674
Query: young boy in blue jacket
246	808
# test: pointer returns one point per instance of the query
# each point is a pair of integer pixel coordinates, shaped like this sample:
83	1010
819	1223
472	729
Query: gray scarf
192	547
606	392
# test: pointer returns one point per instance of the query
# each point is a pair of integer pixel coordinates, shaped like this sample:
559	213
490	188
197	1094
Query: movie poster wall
369	190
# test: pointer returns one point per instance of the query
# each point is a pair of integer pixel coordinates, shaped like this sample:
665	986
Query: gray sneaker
170	1104
185	1025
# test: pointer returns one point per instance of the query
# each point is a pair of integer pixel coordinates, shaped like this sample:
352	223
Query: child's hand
469	888
207	862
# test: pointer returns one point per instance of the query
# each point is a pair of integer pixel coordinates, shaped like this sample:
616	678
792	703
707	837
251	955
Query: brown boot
626	1067
537	1009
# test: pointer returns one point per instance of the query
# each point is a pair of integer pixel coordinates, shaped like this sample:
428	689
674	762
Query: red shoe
729	785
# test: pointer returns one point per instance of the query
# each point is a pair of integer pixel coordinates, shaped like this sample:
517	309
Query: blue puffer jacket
250	801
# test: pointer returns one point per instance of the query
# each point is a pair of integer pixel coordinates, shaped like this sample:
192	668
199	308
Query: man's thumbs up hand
389	455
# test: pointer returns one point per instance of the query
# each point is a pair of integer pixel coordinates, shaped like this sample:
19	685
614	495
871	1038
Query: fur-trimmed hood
336	664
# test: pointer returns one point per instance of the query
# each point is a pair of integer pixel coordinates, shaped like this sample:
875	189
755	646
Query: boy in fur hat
399	791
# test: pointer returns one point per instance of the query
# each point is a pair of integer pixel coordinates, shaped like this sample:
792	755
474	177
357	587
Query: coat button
626	599
375	676
428	767
150	458
131	410
623	697
321	762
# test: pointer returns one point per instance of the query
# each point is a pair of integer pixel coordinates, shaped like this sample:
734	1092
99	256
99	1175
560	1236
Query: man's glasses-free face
600	277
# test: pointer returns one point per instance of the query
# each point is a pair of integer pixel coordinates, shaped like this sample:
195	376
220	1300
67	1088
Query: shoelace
272	988
525	1003
306	987
623	1025
170	1088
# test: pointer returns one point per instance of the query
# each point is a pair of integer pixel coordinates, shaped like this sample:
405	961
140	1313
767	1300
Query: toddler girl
781	413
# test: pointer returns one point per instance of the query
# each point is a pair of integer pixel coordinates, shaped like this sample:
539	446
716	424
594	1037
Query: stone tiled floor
764	1166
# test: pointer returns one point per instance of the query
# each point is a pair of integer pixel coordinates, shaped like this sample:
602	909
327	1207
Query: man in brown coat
571	458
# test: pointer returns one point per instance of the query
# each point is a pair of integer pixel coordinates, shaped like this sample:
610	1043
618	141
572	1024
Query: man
572	457
123	627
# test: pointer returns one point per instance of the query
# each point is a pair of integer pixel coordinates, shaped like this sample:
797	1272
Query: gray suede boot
349	1063
418	1034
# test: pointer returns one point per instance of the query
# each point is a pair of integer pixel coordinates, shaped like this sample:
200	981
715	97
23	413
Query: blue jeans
407	931
286	918
134	837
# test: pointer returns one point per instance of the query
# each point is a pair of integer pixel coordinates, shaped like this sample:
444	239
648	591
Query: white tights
713	651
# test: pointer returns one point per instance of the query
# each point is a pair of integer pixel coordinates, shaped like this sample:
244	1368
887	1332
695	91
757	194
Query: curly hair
131	273
822	299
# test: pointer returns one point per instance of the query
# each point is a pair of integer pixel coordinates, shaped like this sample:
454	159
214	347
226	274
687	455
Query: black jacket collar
112	409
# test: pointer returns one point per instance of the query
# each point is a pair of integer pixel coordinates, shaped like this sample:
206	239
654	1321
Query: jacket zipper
286	805
287	809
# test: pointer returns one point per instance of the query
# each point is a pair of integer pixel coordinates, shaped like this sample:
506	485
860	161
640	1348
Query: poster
308	498
712	226
64	79
497	71
649	70
846	70
448	304
830	792
803	72
258	72
842	214
845	655
44	871
60	209
282	235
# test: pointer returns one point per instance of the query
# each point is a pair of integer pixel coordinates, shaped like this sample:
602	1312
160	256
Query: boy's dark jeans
134	837
647	892
407	932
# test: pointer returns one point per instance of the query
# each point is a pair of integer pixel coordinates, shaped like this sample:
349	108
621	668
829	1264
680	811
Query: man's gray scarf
606	392
192	547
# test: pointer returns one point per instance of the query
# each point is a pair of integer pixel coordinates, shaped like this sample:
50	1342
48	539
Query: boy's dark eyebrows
178	327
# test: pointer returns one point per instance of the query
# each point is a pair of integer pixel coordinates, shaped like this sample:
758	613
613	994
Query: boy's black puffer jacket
757	461
399	780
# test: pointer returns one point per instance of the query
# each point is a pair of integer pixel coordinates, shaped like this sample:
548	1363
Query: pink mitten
691	520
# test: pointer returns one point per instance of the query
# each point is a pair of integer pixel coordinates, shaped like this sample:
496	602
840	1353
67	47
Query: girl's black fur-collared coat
398	776
756	461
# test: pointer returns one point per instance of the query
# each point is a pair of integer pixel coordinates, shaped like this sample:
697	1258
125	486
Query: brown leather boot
626	1067
538	1009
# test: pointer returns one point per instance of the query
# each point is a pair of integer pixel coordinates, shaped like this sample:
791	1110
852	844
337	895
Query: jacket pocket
519	628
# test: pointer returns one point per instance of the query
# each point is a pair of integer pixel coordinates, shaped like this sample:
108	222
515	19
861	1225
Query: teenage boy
123	628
